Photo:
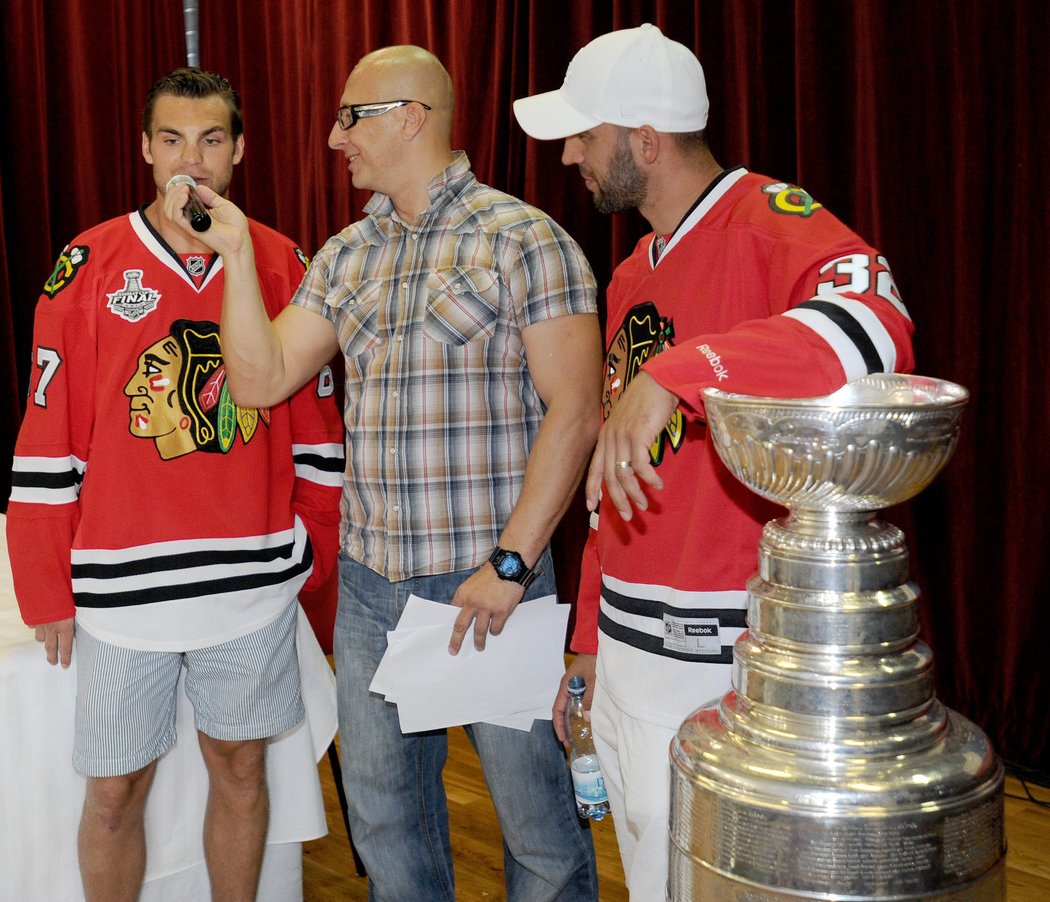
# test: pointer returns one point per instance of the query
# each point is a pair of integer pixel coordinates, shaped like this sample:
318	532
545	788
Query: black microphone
197	214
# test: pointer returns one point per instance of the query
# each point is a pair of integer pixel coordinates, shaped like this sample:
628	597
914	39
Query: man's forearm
250	348
559	457
553	471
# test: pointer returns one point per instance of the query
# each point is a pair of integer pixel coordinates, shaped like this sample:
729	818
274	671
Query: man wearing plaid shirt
468	326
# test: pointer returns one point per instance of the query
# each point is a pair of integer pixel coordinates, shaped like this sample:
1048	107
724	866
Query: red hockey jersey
142	494
759	291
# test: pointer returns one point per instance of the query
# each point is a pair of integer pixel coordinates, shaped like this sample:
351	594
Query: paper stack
511	683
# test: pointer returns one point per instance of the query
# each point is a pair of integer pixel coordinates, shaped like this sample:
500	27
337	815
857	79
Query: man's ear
146	155
646	141
414	117
238	149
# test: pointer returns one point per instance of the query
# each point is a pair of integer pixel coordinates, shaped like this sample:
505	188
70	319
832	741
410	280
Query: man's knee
111	801
240	763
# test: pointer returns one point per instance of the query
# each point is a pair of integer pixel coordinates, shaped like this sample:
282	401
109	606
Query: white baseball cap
631	77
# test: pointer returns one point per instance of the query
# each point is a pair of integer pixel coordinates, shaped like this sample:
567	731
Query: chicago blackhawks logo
133	301
69	261
178	395
790	199
643	333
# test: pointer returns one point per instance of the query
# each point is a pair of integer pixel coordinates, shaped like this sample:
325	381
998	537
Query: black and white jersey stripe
322	464
853	331
190	568
640	616
47	480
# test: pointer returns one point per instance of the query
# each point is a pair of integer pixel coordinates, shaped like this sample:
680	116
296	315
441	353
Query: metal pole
190	17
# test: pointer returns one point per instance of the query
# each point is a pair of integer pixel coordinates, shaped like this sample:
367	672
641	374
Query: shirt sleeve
52	448
585	632
553	278
838	318
317	452
313	288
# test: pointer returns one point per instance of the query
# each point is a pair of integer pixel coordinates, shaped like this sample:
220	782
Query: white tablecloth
41	795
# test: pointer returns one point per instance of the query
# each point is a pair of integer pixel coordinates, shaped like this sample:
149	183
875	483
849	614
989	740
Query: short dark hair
196	85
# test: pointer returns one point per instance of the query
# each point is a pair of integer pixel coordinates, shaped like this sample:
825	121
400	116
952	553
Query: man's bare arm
564	356
265	361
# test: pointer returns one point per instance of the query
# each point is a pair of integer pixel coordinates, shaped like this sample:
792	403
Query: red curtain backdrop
918	122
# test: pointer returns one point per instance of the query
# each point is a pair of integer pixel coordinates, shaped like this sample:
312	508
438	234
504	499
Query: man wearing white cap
746	284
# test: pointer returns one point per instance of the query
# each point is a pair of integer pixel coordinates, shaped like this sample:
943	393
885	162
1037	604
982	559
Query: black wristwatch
511	567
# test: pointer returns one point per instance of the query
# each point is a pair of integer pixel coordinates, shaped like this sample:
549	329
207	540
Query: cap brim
548	116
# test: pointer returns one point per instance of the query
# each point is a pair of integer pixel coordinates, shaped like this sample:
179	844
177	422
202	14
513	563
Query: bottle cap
576	685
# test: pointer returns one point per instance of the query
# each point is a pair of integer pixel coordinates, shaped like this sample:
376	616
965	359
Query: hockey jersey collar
166	255
712	194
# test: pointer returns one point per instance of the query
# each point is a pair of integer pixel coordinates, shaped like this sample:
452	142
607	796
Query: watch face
510	565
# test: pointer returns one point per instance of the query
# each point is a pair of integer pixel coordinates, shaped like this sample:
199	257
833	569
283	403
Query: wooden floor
329	876
328	868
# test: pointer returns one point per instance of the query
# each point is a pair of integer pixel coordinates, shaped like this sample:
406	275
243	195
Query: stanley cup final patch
133	301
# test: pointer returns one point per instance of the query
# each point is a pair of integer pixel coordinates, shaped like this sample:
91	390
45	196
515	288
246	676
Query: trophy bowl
875	442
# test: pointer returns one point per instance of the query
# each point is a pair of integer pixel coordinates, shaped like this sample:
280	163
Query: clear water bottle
587	782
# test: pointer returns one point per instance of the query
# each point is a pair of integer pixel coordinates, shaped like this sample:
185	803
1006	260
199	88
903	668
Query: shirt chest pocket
462	304
356	316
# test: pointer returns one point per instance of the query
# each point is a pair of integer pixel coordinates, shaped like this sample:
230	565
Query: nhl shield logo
196	266
133	302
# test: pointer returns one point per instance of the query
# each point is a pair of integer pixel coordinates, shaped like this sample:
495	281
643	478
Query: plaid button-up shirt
441	412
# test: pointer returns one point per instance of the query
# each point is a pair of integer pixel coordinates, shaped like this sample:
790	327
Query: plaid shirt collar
444	190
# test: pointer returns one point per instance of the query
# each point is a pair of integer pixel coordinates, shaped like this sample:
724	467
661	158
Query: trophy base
707	885
765	823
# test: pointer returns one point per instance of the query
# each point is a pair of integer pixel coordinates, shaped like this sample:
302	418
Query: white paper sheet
511	683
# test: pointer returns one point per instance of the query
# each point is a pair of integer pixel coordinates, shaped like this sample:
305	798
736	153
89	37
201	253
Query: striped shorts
247	688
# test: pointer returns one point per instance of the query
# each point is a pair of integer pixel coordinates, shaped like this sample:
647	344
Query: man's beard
624	185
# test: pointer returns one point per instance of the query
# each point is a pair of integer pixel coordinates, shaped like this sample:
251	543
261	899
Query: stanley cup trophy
830	771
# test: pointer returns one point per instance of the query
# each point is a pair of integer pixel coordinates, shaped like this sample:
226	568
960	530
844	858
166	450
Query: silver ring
623	464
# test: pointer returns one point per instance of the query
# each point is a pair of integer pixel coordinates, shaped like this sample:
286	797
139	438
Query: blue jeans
394	789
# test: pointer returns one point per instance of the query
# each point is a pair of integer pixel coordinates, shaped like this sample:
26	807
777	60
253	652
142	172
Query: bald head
406	72
400	137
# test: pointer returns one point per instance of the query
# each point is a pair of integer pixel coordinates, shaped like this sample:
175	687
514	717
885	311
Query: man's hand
486	600
58	640
229	226
581	665
621	456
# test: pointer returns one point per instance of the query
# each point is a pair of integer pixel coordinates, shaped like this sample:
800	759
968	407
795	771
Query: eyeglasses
347	116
